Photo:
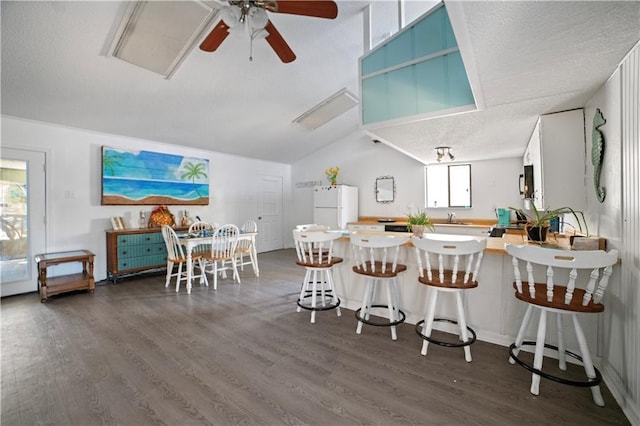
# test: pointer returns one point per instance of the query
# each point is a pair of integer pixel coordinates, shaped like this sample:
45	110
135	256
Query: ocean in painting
136	189
151	177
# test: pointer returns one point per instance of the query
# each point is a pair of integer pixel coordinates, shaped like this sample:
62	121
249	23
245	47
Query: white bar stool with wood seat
448	264
314	250
376	258
569	282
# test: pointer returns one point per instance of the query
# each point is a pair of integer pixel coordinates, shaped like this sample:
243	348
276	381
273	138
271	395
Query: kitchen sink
454	223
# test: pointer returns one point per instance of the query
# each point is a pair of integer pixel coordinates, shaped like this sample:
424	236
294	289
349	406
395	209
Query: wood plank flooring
137	353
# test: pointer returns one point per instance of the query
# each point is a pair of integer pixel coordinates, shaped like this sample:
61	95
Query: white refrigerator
335	206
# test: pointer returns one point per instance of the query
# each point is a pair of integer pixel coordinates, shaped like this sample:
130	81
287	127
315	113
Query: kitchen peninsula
493	311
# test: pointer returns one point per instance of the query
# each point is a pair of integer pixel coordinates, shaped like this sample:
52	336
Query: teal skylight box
416	74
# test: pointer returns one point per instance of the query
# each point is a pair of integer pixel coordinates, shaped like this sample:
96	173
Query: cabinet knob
124	252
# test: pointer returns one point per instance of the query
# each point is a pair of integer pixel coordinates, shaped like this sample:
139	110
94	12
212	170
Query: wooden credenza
135	250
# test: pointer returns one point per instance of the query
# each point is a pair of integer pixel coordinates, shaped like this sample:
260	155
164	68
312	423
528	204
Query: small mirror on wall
385	189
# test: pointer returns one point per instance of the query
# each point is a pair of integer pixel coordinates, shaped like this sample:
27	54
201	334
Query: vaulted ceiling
531	58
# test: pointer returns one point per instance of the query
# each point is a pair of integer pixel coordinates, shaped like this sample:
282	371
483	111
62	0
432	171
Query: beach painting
152	178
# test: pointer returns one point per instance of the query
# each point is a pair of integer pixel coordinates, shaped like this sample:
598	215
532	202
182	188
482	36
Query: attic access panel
417	74
158	35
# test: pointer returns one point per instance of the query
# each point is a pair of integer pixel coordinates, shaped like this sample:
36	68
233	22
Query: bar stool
457	262
547	295
376	258
314	250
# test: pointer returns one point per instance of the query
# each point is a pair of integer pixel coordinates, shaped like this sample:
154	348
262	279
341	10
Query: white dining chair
175	256
245	247
222	250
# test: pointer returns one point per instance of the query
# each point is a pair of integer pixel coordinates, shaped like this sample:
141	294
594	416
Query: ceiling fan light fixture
259	34
258	18
230	15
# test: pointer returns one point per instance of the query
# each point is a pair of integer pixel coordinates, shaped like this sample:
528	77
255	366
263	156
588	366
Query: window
448	185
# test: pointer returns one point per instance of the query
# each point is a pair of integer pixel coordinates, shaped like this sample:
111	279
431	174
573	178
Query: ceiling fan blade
278	44
315	8
215	37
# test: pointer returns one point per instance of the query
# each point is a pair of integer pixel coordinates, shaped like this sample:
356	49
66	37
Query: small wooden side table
64	283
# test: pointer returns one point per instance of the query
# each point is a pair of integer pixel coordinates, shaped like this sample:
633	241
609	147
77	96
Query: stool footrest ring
325	307
442	343
583	384
378	323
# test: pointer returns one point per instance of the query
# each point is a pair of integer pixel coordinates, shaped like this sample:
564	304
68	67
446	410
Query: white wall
620	328
494	182
75	218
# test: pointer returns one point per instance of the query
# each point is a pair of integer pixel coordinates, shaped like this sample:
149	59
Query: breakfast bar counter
492	309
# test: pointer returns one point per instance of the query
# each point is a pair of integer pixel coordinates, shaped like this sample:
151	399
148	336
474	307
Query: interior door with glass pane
22	216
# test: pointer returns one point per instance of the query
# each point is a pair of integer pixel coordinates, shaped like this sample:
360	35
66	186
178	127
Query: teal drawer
128	251
142	262
137	239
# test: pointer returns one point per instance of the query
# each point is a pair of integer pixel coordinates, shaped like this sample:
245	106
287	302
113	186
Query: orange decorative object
161	216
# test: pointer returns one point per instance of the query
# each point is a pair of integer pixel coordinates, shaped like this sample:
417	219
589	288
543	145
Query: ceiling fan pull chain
251	49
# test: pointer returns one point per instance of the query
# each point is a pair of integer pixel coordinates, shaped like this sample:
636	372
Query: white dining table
190	242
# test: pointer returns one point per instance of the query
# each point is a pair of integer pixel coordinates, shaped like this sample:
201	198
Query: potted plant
537	221
418	222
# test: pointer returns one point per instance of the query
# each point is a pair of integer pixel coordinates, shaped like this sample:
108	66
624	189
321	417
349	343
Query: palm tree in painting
194	171
110	161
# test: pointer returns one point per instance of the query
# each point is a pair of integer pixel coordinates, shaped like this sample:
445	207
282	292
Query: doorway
270	214
22	218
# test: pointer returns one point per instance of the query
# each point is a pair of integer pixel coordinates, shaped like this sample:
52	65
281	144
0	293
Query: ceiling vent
158	35
327	110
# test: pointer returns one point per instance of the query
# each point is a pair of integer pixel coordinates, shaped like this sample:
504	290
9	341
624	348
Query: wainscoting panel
630	270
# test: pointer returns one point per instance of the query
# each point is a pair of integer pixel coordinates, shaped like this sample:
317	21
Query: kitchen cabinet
556	150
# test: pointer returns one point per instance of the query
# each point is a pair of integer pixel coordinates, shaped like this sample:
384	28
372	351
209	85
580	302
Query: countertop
402	221
496	244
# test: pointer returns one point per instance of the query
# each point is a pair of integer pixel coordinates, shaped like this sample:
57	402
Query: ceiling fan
253	13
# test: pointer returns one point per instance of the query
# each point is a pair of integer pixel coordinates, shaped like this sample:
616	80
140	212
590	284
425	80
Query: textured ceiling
531	58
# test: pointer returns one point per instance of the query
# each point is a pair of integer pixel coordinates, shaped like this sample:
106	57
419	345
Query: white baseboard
630	407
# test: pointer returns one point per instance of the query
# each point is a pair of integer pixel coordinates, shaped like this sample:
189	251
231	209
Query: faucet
450	217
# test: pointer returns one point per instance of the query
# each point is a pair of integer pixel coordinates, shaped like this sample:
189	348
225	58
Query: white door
22	219
270	214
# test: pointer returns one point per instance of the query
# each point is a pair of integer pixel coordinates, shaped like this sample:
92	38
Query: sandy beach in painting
116	200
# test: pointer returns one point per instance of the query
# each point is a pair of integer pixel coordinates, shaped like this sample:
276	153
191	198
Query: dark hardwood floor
137	353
